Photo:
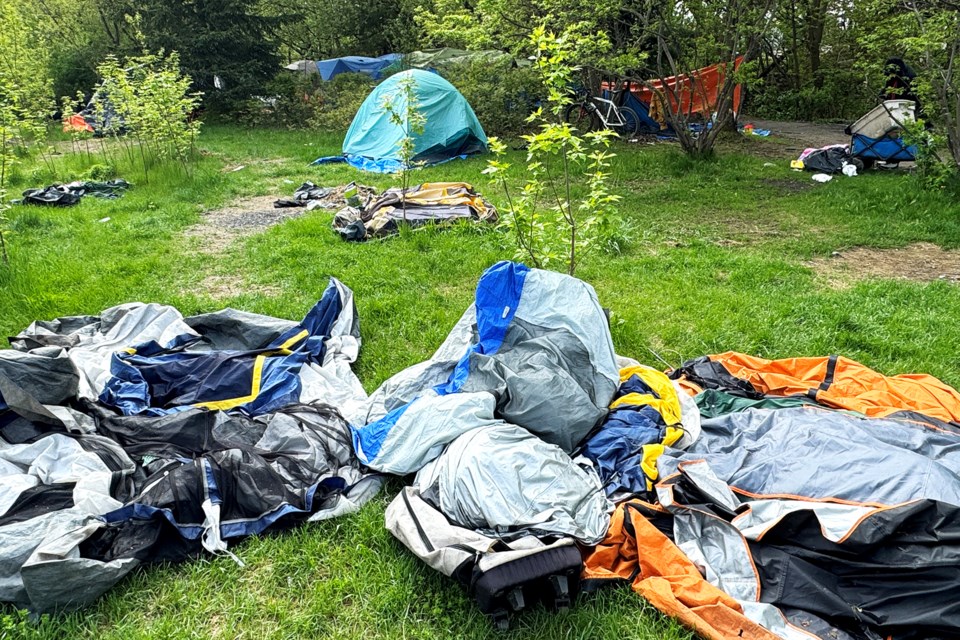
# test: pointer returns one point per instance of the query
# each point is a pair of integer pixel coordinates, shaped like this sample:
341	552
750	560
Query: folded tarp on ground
429	202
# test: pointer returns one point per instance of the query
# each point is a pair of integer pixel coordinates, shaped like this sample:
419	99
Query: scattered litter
849	170
313	197
830	159
241	167
66	195
750	130
429	202
107	219
769	164
822	177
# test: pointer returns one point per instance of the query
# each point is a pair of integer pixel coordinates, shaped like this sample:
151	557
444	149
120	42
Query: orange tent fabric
76	122
697	92
842	383
635	550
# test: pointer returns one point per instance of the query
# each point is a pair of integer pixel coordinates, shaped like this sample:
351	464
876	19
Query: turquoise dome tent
451	128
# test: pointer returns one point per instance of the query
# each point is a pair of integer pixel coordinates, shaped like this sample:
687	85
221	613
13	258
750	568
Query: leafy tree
148	100
403	109
927	33
318	29
228	39
551	217
26	98
690	35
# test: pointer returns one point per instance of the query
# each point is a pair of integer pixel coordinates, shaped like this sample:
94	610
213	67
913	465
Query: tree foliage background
810	59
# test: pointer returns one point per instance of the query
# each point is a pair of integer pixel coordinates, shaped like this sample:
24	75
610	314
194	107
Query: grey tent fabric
539	488
805	515
88	493
499	575
92	340
541	346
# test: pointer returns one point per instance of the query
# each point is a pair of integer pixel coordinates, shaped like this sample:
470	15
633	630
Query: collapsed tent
450	127
821	499
429	202
527	373
117	448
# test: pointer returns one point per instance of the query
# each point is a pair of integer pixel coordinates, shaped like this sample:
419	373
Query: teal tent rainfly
451	129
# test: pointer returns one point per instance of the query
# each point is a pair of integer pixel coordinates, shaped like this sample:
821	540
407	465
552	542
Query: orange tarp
76	122
853	386
695	93
636	550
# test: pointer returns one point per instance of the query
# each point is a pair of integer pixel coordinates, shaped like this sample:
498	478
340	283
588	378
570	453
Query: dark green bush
501	95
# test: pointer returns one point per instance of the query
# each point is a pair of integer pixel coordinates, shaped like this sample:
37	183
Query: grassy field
715	256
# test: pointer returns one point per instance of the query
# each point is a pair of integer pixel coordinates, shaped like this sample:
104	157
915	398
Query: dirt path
800	135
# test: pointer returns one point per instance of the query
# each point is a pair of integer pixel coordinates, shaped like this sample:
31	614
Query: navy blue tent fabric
616	448
155	380
646	124
373	67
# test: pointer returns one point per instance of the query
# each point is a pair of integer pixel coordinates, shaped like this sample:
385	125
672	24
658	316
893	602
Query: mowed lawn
713	257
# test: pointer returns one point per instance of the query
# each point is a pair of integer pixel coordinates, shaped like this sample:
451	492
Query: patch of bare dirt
230	286
787	186
244	217
800	135
920	262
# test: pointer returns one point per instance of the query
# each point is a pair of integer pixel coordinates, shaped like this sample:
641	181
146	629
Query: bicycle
588	112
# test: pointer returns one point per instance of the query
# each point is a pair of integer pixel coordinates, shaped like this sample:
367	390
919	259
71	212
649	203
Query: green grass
713	259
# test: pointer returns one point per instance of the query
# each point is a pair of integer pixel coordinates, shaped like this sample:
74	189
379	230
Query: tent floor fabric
746	497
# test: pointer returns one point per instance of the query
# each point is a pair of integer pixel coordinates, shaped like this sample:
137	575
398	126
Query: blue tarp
884	149
373	67
451	129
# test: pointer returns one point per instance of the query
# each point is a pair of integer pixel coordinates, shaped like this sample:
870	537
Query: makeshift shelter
695	94
373	67
451	129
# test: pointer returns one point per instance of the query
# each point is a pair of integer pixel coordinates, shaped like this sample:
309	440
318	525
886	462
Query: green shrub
296	101
502	96
339	100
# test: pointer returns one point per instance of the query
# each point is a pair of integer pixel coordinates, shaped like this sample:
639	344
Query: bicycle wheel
581	118
632	123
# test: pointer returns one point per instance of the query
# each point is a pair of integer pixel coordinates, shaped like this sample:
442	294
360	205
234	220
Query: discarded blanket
65	195
87	493
429	202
